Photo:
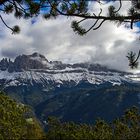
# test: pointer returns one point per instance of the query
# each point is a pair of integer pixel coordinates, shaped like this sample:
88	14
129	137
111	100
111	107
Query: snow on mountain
36	68
59	77
134	77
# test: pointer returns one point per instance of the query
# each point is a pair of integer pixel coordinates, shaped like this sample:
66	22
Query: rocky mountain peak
37	55
24	62
27	62
4	64
38	61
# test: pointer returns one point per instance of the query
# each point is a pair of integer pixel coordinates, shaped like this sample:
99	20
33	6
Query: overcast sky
56	40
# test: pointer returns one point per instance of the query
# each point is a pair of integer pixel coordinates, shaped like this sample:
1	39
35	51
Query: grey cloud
11	53
56	40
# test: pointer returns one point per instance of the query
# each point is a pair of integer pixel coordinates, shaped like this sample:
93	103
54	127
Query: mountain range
79	92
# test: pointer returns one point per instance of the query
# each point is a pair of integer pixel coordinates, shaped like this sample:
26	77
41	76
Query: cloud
55	39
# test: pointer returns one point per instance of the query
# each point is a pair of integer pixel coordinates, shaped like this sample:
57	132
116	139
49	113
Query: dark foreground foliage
15	121
126	127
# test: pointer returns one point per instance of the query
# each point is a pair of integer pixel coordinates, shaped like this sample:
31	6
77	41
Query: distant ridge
38	61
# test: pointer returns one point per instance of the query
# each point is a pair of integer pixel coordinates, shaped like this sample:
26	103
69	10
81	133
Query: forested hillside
17	121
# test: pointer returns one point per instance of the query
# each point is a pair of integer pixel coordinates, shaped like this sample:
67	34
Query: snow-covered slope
35	68
58	77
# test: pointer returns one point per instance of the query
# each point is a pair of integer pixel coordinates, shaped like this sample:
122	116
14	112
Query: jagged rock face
38	55
24	62
38	61
4	64
37	68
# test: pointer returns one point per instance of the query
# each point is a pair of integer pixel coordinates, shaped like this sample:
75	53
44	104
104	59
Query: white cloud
55	39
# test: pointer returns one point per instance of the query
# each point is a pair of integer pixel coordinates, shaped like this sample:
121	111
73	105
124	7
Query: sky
56	40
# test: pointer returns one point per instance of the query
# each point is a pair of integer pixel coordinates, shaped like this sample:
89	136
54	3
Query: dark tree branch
99	25
119	18
131	23
81	20
120	6
94	22
137	57
5	23
93	25
25	9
